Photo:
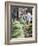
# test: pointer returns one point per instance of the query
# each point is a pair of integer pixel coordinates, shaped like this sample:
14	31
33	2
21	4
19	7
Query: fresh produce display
17	29
21	22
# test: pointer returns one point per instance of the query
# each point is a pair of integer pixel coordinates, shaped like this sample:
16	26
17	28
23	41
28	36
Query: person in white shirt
29	17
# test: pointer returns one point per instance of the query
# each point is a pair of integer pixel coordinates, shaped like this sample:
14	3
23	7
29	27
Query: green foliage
17	29
30	28
22	20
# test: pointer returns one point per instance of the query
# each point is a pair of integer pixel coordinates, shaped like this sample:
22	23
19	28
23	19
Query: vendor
29	17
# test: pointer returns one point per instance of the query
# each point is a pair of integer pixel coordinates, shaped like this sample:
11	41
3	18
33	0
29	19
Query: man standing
29	17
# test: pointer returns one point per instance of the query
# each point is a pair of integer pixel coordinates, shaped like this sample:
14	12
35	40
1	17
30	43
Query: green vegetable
22	20
17	29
